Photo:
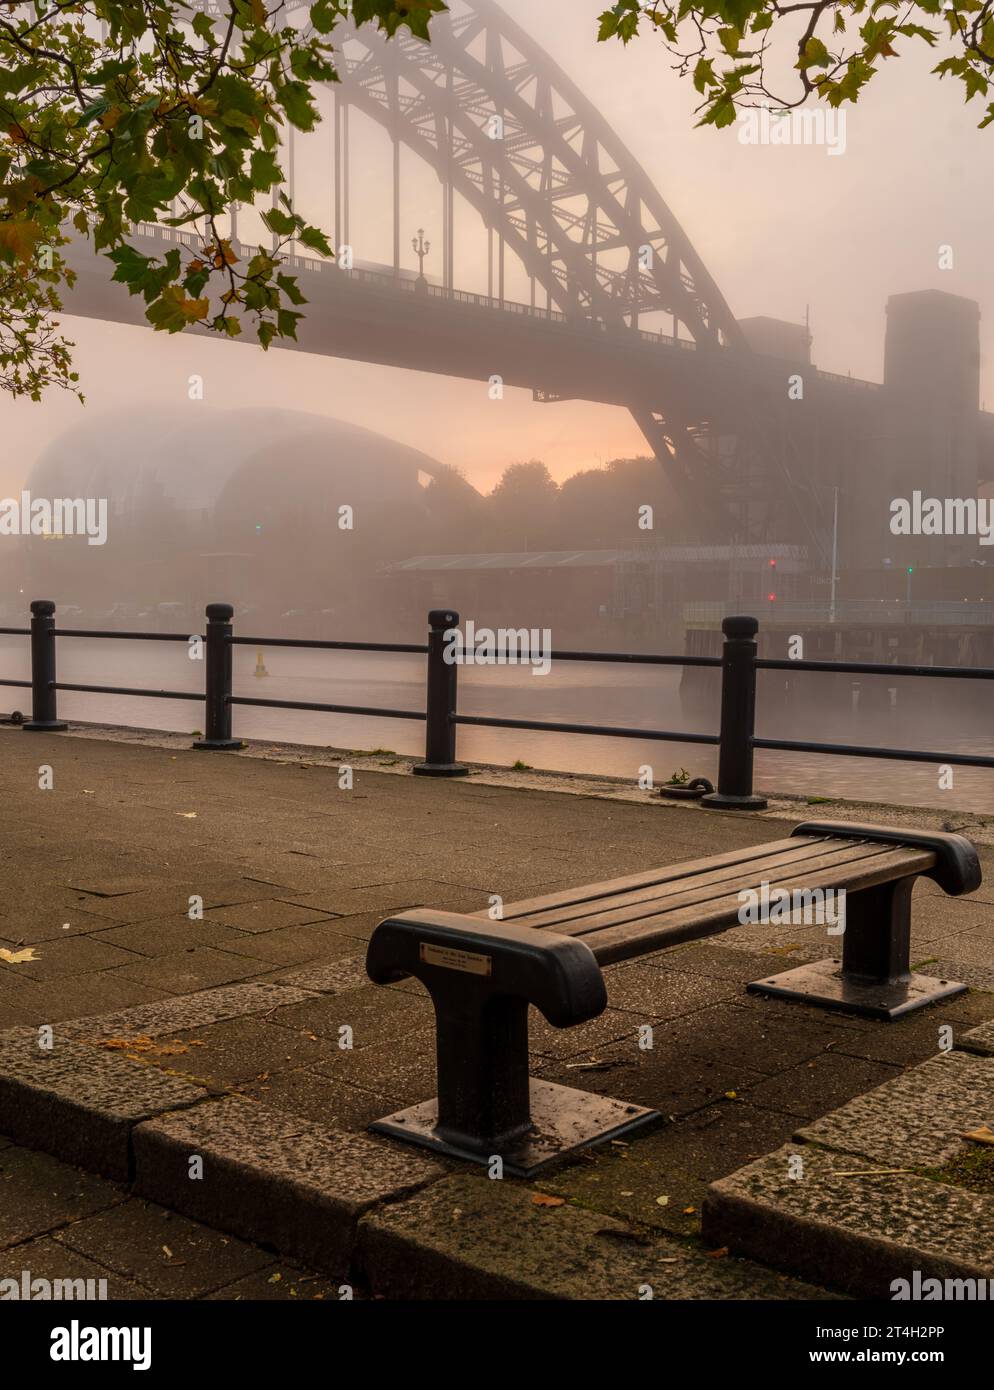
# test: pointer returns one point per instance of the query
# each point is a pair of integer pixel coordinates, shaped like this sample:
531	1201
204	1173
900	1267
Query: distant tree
523	507
600	507
834	46
111	111
456	513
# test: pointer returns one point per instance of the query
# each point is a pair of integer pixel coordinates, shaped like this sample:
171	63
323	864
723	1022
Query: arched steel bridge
507	131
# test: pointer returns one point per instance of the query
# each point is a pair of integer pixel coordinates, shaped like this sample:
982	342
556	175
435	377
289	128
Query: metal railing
867	612
736	739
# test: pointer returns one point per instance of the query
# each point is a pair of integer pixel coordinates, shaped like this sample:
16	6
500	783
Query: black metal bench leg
488	1107
874	977
481	1048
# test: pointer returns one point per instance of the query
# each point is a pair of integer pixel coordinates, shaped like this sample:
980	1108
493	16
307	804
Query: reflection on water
943	715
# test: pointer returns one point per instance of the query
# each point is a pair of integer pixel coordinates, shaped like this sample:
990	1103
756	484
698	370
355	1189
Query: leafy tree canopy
736	50
117	112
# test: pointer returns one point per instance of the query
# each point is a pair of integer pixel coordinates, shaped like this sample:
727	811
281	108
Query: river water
945	716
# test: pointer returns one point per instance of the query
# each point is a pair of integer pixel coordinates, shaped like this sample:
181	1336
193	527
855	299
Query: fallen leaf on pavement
983	1135
542	1199
16	957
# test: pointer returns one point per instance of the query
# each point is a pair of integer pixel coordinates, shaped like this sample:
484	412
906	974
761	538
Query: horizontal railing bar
327	709
15	631
26	684
417	650
125	636
877	668
850	750
638	658
128	690
522	658
601	730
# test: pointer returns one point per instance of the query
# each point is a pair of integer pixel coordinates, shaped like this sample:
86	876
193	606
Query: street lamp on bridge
421	249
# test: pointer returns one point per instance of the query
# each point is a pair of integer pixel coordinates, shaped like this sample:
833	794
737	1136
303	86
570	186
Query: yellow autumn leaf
542	1199
16	957
194	309
983	1135
19	237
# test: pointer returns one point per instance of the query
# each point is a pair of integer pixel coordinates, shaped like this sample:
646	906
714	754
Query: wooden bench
482	975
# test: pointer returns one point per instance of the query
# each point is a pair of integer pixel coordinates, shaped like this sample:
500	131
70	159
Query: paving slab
660	1181
188	1011
334	976
165	1252
264	916
325	1100
915	1119
374	1015
978	1040
41	1194
472	1238
56	1001
178	1257
189	970
811	1088
286	1183
840	1223
643	990
240	1050
163	936
79	1102
68	1274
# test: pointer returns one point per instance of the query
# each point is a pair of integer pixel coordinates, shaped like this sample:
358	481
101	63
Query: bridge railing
736	738
387	279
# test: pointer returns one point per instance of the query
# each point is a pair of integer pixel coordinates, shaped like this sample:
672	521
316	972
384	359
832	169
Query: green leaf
815	55
316	240
297	102
279	222
730	40
94	111
288	284
264	170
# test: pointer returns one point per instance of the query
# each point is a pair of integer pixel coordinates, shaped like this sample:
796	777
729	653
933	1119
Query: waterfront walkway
245	1005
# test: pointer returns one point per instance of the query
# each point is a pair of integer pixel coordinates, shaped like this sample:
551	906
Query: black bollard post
44	704
738	719
217	680
440	732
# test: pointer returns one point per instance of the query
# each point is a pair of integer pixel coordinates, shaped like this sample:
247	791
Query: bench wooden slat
703	886
620	942
799	873
684	869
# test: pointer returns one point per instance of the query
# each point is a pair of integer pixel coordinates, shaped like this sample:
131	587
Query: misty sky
780	228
